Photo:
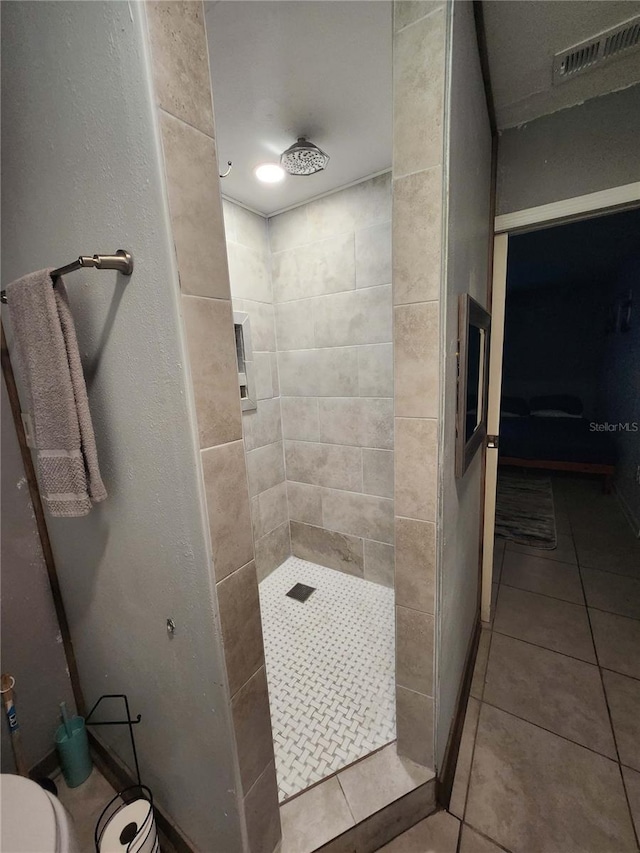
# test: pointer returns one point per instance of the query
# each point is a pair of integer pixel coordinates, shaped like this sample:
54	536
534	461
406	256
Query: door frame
573	209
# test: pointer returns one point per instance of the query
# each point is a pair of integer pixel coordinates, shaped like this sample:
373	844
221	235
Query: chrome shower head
303	158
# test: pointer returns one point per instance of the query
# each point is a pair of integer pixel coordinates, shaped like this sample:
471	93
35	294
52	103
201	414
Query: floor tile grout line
344	794
624	674
546	648
484	702
597	666
541	556
545	594
606	700
551	731
606	571
613	613
475	733
484	835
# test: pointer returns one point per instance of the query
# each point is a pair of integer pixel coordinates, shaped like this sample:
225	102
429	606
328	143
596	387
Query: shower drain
301	591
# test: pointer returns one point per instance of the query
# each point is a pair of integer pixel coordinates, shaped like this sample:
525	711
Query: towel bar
121	261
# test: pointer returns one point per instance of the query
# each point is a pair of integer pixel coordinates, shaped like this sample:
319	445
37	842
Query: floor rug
524	510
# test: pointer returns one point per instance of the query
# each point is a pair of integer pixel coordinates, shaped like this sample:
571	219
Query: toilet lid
28	819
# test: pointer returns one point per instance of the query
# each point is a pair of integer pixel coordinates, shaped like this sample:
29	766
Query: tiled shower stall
309	472
316	284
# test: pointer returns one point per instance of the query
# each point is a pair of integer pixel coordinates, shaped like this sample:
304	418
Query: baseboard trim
447	775
118	776
47	766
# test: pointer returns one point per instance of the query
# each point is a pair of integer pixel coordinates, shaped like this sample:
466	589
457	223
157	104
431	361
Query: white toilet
33	820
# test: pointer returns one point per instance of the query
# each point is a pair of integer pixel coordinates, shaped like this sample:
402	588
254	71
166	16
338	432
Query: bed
551	433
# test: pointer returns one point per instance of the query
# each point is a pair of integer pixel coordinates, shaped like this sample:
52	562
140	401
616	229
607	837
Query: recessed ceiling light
270	173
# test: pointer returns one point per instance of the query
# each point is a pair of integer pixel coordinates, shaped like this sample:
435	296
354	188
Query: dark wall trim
41	524
47	766
478	15
448	770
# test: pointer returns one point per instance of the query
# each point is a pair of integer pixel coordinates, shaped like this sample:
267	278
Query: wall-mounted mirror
474	325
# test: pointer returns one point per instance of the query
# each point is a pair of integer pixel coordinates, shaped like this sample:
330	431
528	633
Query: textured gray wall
581	150
466	272
81	174
32	648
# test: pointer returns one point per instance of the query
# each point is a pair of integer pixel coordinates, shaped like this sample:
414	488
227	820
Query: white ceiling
522	39
286	69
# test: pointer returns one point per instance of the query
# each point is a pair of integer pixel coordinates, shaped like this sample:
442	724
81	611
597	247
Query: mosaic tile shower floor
330	668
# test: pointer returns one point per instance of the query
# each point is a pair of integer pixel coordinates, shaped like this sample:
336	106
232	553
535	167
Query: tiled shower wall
419	53
331	273
251	291
185	117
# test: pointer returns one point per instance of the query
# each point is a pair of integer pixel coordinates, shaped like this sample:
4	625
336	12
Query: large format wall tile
407	12
377	472
305	503
375	370
239	607
195	209
417	224
247	228
228	507
416	452
415	563
249	273
295	324
414	725
327	266
414	650
358	515
265	467
360	421
262	812
418	95
269	510
263	377
417	367
352	209
272	550
300	418
290	230
373	255
180	61
262	426
378	563
261	318
252	723
328	548
319	372
212	355
331	465
358	317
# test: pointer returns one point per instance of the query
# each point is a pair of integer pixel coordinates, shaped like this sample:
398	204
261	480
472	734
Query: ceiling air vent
596	51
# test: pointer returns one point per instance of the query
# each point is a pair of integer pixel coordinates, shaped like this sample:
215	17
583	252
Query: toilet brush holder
73	750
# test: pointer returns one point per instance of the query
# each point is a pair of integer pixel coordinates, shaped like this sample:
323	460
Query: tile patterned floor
330	669
549	760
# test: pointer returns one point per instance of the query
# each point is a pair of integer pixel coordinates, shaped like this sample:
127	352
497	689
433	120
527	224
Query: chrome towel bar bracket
122	261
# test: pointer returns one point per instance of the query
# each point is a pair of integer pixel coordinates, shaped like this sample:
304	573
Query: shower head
303	158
